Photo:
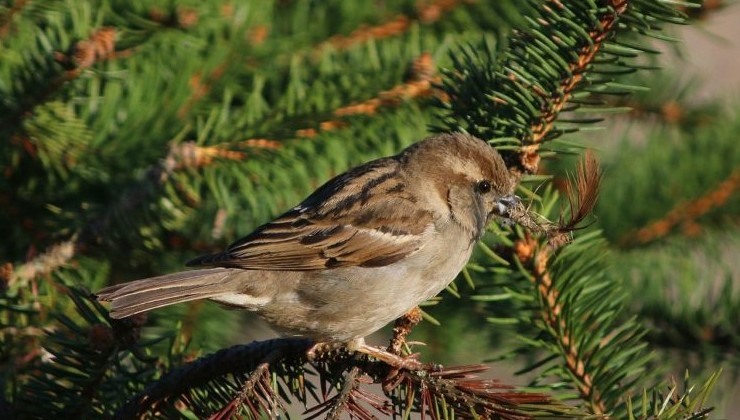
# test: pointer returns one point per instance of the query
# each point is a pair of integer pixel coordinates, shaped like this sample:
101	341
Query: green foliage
698	321
134	135
515	92
658	177
587	358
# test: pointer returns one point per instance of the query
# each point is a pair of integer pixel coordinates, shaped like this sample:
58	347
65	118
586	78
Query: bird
359	252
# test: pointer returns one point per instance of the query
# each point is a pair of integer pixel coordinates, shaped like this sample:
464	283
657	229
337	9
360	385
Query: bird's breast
351	302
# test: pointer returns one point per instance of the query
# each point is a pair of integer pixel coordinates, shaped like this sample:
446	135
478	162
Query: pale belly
349	303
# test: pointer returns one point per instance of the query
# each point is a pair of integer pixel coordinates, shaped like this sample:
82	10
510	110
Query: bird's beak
504	204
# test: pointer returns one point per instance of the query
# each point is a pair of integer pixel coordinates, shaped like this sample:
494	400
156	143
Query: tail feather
143	295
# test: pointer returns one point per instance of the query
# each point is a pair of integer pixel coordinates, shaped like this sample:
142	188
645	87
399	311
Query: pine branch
426	13
536	259
202	386
188	155
8	15
685	213
519	97
235	360
89	357
419	86
100	46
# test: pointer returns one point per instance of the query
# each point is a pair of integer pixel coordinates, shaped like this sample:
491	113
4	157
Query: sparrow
358	253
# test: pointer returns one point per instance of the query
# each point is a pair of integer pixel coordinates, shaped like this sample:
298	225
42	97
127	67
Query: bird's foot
397	365
397	362
319	349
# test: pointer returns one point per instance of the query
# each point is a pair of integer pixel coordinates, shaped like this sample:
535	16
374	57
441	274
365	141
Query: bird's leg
392	356
393	360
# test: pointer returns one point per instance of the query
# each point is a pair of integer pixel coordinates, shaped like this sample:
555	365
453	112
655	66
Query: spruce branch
585	342
100	46
97	229
536	259
515	95
236	360
552	107
189	155
202	386
420	85
7	16
88	356
686	213
427	12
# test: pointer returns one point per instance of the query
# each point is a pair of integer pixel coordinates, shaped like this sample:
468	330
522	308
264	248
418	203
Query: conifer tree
135	135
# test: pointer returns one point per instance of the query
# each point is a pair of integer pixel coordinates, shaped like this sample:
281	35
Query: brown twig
582	195
420	85
100	46
61	253
529	156
55	257
402	328
427	13
344	398
537	260
686	212
234	360
6	19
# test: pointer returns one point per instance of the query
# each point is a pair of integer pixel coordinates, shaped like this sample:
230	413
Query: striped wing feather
365	218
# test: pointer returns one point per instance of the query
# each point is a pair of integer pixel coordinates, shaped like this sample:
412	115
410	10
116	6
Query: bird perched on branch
362	250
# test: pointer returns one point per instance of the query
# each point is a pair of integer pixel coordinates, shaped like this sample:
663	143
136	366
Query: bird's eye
484	186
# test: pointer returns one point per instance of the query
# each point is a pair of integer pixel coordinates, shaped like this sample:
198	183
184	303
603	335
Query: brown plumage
360	251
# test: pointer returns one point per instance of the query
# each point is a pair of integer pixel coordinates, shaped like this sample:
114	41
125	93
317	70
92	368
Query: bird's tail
143	295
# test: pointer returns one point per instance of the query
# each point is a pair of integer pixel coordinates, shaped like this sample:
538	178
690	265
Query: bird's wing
367	217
